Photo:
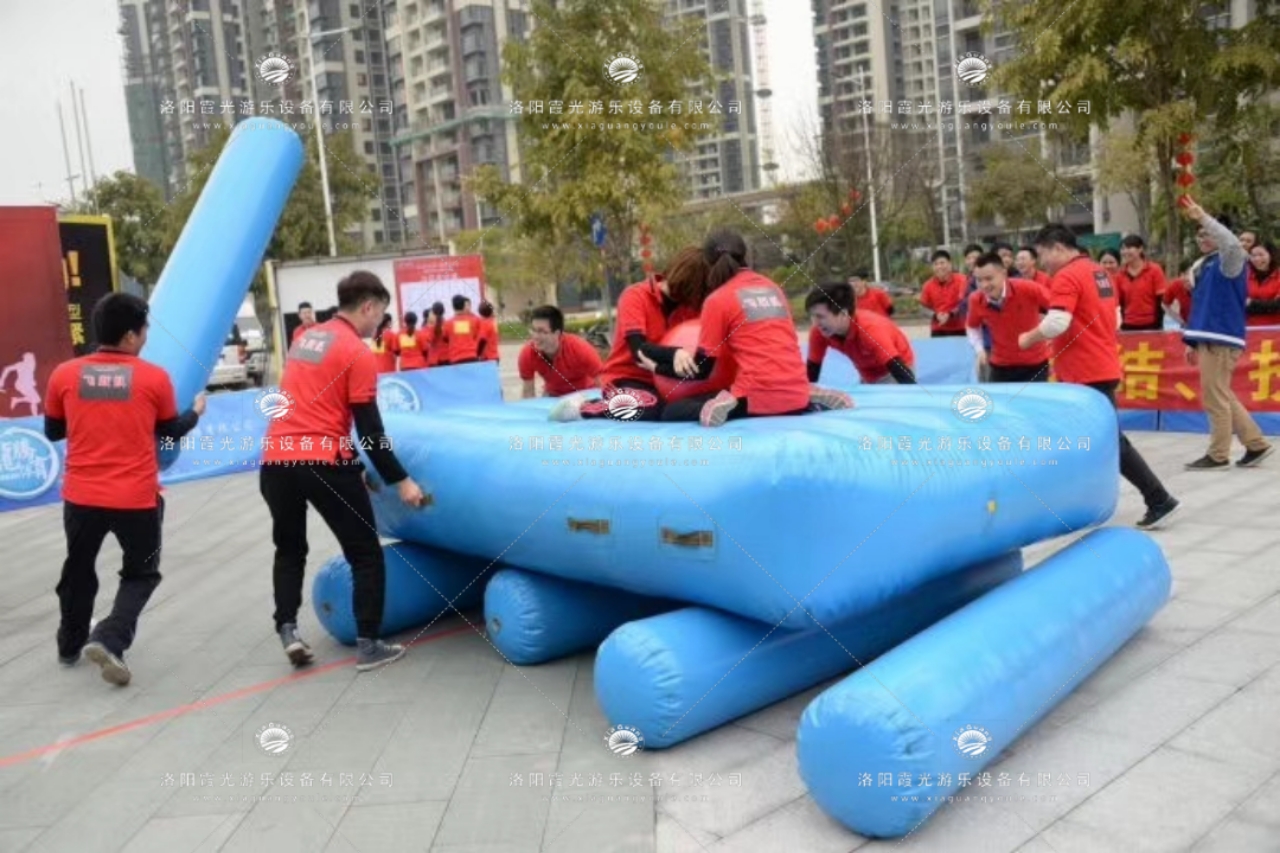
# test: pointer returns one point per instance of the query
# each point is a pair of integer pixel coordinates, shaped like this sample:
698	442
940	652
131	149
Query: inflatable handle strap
696	539
598	526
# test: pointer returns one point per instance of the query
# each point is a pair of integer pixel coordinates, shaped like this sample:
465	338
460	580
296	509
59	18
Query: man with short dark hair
1004	308
874	343
870	298
110	406
1005	252
944	295
1081	326
463	338
331	379
307	315
1026	263
566	362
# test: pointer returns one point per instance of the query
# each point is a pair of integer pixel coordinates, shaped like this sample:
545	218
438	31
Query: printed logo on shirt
273	404
762	303
1103	281
106	382
312	347
462	327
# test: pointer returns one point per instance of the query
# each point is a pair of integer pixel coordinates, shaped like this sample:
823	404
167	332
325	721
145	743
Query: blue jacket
1219	284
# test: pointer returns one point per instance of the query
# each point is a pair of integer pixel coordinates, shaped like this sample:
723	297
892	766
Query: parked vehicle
250	329
231	371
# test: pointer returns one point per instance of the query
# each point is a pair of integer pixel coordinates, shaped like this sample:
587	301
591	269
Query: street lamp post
315	96
871	187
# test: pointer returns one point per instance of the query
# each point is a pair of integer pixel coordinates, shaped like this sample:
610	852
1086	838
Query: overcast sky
43	51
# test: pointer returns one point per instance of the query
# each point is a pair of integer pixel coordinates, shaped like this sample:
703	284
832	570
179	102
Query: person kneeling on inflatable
566	362
646	312
745	317
873	342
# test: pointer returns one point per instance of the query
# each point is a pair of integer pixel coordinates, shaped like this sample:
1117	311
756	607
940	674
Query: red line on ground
181	710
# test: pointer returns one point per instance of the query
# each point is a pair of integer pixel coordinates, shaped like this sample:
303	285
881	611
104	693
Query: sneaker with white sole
1253	458
717	410
829	399
113	666
371	654
568	409
294	646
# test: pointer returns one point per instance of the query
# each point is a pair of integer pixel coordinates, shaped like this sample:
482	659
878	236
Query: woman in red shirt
383	344
408	346
1263	304
1109	260
1140	285
489	332
747	317
1177	297
432	339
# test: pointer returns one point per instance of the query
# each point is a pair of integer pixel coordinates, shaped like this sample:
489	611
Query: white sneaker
568	409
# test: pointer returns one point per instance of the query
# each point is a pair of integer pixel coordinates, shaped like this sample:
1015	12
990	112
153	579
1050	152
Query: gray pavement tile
587	821
487	809
182	834
1243	586
781	719
799	825
1238	836
673	837
1227	657
18	840
1154	709
394	828
1240	731
529	711
1264	806
1166	802
1143	653
769	780
348	738
1235	539
1265	618
1182	622
1067	836
286	826
1190	567
975	826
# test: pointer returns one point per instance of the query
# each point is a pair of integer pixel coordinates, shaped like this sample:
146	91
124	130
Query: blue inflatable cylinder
209	272
680	674
949	701
533	618
423	584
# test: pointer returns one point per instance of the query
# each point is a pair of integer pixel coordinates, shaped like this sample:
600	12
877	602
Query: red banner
1157	376
35	335
423	281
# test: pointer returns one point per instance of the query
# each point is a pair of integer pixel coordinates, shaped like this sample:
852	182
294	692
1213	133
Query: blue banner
229	437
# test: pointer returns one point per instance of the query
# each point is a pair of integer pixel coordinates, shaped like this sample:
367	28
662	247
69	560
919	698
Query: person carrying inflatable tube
646	312
745	316
874	343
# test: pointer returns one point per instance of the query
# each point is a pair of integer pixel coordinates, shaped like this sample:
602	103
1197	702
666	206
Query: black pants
1030	373
1156	325
690	409
1132	466
650	405
338	493
138	532
938	333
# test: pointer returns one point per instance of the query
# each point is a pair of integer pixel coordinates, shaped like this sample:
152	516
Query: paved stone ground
1177	732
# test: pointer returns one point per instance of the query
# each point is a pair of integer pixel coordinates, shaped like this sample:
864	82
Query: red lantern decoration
846	209
855	195
645	253
1185	139
645	239
1186	179
1184	200
833	222
1185	158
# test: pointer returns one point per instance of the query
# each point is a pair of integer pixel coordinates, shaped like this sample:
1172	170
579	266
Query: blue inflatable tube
423	584
533	618
830	513
209	272
950	700
684	673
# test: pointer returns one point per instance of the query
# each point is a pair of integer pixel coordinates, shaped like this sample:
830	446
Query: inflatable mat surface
834	513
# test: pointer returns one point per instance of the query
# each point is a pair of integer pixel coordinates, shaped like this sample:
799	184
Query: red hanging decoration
645	253
1186	179
846	209
1185	139
1185	158
833	222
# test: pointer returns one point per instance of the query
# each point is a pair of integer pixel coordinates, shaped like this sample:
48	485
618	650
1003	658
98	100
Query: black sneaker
113	668
298	651
371	654
1157	515
1253	458
68	660
1208	463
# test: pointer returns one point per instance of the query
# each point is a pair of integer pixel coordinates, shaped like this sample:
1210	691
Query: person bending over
746	317
1005	308
874	343
646	312
110	406
308	459
565	361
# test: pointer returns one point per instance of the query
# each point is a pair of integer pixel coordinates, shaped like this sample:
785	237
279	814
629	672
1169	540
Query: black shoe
68	660
294	646
113	668
1253	458
371	654
1159	514
1208	463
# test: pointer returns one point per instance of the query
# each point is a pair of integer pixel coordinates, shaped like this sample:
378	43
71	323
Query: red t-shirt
945	298
1177	293
413	354
748	317
384	351
874	300
1019	312
111	403
576	366
489	334
462	337
1140	295
431	342
872	342
1268	289
327	372
639	311
1087	351
1042	279
300	331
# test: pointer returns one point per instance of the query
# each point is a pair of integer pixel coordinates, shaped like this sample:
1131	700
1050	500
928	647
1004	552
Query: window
357	34
355	10
360	56
368	147
362	79
377	236
376	214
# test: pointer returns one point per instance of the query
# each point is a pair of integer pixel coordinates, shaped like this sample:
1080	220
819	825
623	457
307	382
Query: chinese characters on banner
421	282
1157	376
88	272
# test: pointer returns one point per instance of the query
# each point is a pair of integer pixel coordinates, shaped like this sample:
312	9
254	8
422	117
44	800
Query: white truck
243	359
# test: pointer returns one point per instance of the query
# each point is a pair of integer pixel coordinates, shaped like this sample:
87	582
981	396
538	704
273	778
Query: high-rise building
145	90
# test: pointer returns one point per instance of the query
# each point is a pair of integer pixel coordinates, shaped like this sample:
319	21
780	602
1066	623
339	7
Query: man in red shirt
463	338
565	361
110	407
489	332
944	296
874	343
331	380
307	315
1141	284
870	298
1025	263
1081	324
1007	307
745	317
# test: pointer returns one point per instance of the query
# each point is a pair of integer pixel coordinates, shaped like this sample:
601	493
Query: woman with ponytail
383	344
433	342
745	316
